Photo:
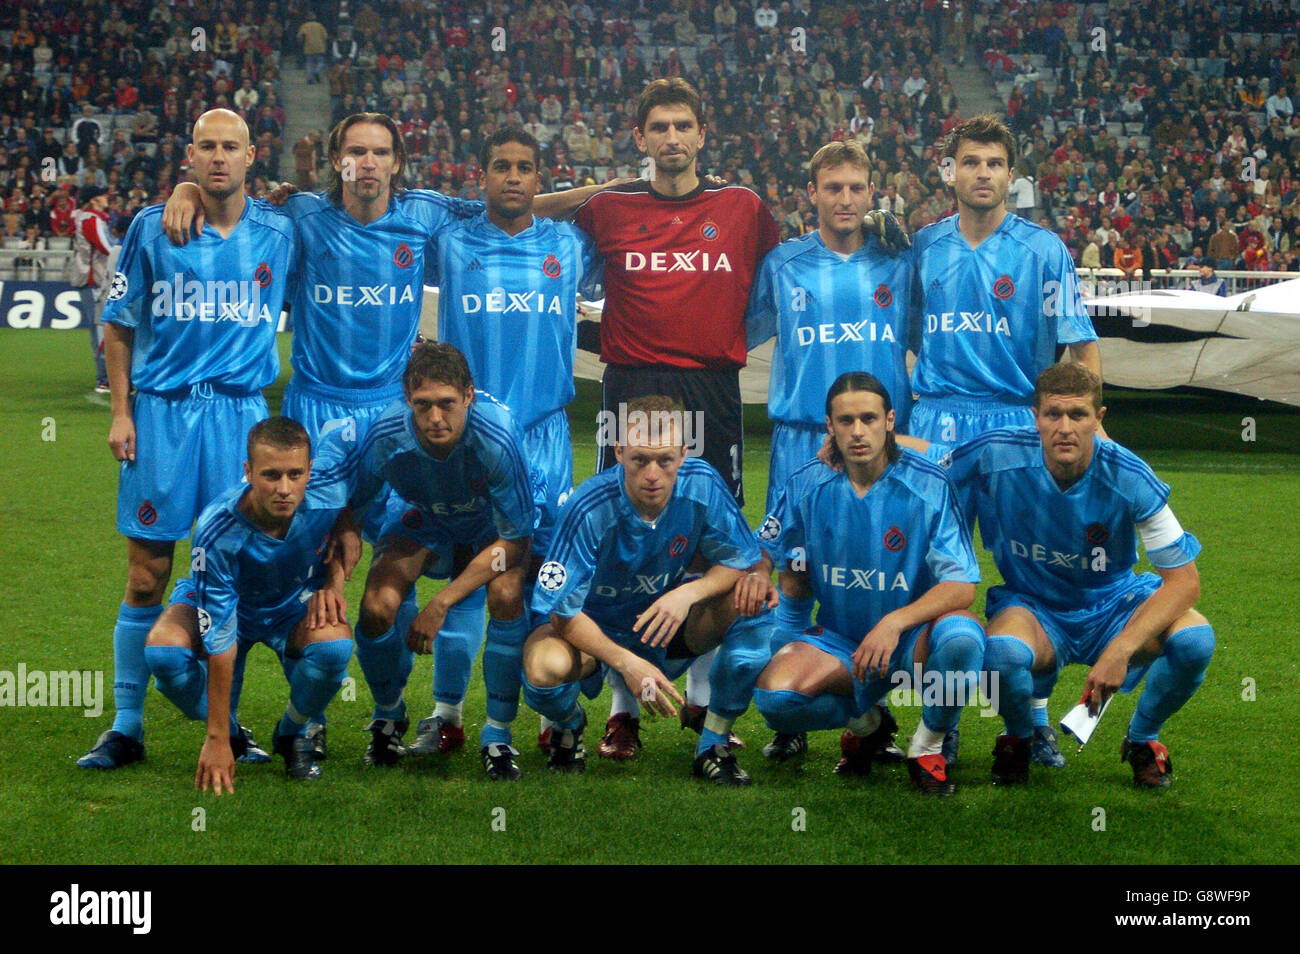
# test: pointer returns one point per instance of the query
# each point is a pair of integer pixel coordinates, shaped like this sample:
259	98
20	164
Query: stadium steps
310	110
974	88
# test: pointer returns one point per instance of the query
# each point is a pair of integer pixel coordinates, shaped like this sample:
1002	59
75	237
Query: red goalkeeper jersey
677	272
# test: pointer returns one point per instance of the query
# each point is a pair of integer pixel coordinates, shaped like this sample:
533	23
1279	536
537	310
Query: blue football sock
792	712
1008	660
793	615
317	677
1038	712
1172	679
386	663
181	678
557	703
503	662
745	650
956	653
130	671
708	739
457	644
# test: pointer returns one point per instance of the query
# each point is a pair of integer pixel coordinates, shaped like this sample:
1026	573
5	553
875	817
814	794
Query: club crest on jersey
552	575
709	231
403	258
551	267
678	546
118	287
147	515
1004	287
1097	534
883	296
895	539
770	530
412	519
478	485
262	275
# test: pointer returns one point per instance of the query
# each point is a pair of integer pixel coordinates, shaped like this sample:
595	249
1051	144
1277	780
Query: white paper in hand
1081	723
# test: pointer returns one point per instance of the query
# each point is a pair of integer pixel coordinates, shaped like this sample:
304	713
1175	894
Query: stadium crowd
1152	133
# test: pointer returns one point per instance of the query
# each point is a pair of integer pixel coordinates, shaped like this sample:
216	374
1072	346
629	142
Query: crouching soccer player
883	547
1071	595
462	486
615	588
259	574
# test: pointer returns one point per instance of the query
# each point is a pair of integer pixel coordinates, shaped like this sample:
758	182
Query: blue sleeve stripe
562	540
213	531
501	438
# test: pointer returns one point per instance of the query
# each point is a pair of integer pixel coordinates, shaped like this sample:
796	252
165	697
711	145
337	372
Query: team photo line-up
453	459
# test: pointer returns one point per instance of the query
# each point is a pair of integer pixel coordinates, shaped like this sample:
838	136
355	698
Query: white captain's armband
1166	543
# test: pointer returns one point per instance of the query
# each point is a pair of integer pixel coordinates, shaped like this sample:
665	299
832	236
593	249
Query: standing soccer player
882	546
616	590
836	302
679	258
259	576
996	295
1071	595
462	494
193	330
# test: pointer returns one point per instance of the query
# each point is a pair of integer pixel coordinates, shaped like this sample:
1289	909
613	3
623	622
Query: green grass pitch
62	566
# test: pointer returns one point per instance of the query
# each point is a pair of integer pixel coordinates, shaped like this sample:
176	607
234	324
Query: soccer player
615	589
356	312
259	575
462	491
193	331
836	301
1071	595
881	544
996	295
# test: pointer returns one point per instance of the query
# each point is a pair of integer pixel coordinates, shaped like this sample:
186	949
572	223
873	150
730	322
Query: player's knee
165	632
778	703
328	660
1007	655
1191	647
505	597
147	581
378	610
957	642
545	664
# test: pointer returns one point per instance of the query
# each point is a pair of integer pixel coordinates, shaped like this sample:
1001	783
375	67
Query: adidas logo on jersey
976	321
851	578
474	266
695	260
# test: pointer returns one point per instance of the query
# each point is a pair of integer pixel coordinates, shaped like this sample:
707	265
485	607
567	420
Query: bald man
193	330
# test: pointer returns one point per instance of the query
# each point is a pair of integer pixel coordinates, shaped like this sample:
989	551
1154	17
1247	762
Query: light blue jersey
204	313
483	484
610	563
358	291
868	556
1072	548
243	580
987	320
831	315
509	304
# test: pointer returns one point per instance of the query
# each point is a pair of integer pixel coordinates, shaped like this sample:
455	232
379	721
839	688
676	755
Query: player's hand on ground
885	227
664	617
280	194
327	607
182	216
871	658
754	592
216	767
1104	679
121	438
425	626
656	691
